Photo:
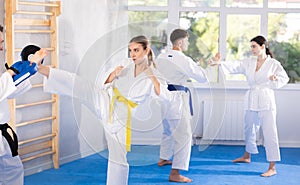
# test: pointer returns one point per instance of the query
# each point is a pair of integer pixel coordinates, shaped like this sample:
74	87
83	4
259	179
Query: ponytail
151	57
260	40
268	52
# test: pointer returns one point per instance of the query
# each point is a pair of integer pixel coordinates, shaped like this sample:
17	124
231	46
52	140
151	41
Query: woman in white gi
264	74
11	167
176	140
125	88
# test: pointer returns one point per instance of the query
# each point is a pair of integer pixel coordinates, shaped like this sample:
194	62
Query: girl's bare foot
269	173
176	177
163	162
242	160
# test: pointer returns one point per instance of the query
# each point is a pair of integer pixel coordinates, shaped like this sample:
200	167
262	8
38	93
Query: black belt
172	87
13	142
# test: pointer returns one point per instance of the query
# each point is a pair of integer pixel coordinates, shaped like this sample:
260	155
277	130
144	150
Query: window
227	26
203	30
284	4
147	2
203	39
151	24
240	29
284	42
244	3
200	3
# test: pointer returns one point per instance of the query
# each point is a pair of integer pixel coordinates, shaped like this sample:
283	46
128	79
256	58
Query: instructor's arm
44	70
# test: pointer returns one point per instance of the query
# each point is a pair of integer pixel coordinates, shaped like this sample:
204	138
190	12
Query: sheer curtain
90	33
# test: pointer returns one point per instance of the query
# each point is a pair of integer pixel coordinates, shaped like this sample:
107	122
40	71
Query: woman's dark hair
145	43
260	40
28	50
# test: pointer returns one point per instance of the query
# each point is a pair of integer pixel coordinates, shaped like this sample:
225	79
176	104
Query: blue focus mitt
22	70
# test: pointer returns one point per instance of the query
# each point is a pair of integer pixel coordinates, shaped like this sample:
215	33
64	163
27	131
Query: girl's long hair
141	39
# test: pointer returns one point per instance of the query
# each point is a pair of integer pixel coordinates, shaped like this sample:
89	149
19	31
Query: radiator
223	120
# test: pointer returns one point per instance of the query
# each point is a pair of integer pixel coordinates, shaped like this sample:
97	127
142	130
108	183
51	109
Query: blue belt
172	87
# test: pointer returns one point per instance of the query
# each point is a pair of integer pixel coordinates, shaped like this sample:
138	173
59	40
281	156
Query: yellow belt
130	104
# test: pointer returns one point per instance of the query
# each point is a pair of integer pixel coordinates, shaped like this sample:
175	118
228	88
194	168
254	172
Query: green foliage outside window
288	51
204	36
288	54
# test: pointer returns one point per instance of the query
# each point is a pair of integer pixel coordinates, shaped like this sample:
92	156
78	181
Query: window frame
174	8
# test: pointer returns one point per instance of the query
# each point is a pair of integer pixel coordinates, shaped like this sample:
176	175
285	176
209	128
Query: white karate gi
260	107
176	140
11	168
135	89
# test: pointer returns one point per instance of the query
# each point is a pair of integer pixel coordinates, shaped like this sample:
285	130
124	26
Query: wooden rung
35	121
37	156
35	147
34	31
32	22
20	49
36	139
37	85
37	4
35	104
34	13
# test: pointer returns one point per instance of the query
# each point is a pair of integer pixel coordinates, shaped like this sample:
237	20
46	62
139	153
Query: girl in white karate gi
176	140
125	88
263	75
11	167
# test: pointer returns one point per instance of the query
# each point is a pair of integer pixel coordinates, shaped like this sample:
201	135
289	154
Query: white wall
80	25
287	101
288	116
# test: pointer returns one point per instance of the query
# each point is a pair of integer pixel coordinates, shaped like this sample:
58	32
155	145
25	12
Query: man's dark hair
1	28
178	34
28	50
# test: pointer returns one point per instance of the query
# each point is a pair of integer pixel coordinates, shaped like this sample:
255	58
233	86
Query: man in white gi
11	167
176	140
